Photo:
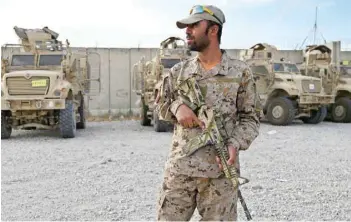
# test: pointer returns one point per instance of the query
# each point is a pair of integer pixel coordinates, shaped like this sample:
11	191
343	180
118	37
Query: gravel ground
298	172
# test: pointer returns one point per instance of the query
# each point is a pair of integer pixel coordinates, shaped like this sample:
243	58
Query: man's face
197	38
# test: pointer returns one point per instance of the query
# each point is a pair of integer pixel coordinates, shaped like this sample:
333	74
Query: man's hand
187	118
232	156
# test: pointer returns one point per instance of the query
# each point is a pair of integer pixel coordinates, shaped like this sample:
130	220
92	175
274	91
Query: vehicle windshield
169	63
259	69
50	60
285	67
22	60
345	71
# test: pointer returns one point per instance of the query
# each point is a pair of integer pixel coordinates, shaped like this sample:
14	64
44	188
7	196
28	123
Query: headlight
51	104
57	92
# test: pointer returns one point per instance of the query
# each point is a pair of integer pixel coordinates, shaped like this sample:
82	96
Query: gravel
113	171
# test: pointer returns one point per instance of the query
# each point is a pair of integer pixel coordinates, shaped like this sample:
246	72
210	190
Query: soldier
196	179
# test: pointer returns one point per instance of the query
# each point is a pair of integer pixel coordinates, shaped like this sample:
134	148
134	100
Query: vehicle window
285	67
259	55
22	60
259	70
169	63
291	67
50	60
278	67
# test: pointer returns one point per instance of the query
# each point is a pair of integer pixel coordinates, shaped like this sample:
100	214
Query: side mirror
161	70
322	73
271	76
4	65
64	66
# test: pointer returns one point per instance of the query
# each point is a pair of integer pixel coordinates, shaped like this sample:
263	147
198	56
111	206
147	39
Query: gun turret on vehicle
33	40
285	94
147	76
43	86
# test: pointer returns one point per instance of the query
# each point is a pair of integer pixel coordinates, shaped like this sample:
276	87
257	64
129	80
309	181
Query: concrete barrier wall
114	95
345	55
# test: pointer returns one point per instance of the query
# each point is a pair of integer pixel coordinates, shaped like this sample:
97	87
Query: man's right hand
187	118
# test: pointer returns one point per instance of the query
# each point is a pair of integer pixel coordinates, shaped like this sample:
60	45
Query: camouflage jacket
230	90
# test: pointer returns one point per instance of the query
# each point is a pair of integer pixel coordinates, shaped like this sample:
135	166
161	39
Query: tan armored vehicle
285	94
336	79
147	76
43	85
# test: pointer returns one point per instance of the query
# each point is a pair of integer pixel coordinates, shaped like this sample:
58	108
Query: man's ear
214	29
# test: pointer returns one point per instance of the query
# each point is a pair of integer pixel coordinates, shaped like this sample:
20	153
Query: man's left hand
232	156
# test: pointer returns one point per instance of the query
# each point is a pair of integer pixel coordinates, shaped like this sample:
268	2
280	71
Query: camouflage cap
202	12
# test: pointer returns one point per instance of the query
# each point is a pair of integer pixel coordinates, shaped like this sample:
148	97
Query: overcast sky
106	23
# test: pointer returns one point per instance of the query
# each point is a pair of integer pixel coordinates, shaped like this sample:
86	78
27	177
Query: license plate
39	83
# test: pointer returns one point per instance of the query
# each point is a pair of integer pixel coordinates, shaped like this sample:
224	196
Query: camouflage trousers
214	198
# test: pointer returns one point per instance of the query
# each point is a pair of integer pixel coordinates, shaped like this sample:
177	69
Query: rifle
190	93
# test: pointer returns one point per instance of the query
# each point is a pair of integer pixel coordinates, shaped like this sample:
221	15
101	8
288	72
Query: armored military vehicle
285	94
147	76
43	85
336	78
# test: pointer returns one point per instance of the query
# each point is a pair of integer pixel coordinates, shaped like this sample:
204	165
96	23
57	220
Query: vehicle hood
302	77
295	76
346	81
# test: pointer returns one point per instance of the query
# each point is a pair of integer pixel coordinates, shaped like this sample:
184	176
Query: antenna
315	29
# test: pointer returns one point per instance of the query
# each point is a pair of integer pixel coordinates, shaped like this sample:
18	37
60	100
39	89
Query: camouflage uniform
195	180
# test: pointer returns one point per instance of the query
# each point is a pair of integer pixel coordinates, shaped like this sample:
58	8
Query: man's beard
200	45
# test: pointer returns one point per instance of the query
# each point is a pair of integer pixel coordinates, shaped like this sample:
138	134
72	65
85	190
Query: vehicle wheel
6	128
341	110
82	122
159	125
68	121
144	121
316	117
328	117
280	111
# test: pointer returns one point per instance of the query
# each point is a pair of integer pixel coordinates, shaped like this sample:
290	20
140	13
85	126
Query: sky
145	23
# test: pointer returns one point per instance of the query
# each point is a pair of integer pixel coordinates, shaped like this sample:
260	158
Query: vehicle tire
317	116
82	123
281	111
341	110
328	117
67	120
144	121
6	129
159	125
